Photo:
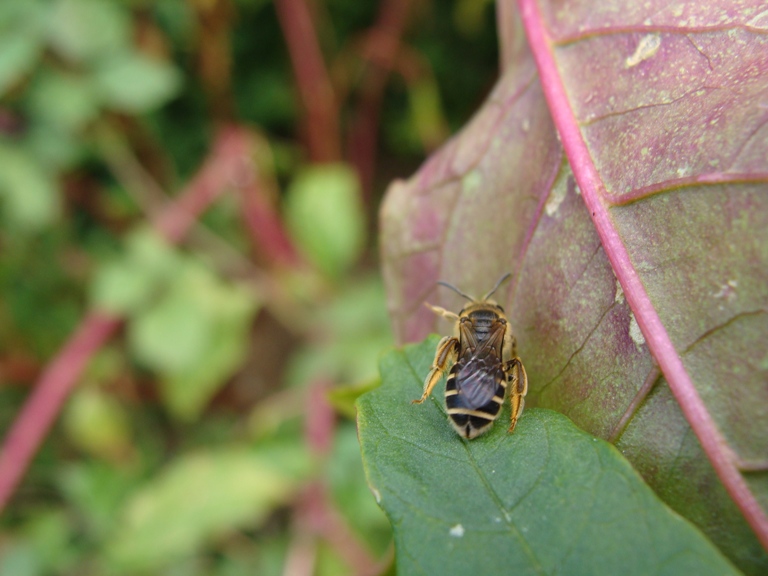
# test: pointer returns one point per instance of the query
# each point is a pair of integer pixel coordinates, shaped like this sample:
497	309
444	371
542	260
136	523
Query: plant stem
321	122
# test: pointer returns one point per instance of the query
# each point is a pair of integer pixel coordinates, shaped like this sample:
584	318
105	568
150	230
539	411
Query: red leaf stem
45	401
266	227
656	336
227	159
320	418
317	516
228	165
321	123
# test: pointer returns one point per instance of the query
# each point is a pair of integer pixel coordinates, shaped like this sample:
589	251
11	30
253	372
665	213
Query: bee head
485	299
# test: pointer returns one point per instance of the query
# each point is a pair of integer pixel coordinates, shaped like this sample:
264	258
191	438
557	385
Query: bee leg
518	388
447	350
442	312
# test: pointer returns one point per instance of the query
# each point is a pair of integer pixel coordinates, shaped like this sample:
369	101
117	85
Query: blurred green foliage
214	434
324	215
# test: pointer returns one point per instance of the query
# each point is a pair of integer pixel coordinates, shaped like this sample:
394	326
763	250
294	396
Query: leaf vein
504	513
579	349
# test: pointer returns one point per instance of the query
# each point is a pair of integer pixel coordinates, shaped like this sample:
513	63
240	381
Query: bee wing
467	335
481	371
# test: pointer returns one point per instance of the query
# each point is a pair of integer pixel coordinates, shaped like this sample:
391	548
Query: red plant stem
317	516
321	123
266	227
659	342
320	419
316	512
44	403
228	165
382	47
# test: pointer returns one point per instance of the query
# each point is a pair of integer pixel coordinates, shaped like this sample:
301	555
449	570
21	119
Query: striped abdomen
474	392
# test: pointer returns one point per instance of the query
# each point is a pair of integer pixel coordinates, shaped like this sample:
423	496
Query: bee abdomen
471	421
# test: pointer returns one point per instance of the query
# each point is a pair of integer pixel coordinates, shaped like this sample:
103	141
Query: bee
484	364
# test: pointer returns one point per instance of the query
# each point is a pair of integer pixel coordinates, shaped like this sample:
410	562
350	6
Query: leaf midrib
656	336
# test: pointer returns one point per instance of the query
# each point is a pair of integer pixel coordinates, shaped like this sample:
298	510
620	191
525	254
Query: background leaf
680	169
63	101
87	30
17	56
97	424
194	335
21	40
199	496
135	83
547	499
128	283
324	216
28	194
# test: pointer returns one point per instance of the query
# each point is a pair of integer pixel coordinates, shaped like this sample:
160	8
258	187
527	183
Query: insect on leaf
618	170
548	499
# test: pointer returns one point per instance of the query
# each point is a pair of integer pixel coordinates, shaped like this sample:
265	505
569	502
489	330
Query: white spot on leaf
635	333
377	495
683	171
619	296
556	198
457	531
646	48
727	291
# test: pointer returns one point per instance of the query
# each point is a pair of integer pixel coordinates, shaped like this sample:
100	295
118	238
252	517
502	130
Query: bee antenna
459	292
499	283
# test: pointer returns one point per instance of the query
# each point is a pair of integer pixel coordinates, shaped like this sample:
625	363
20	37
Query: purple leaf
639	245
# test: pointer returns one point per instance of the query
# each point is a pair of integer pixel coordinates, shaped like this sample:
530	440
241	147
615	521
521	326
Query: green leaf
185	323
188	390
63	100
325	217
198	497
170	334
96	490
18	53
125	284
346	480
426	112
344	398
50	533
195	336
28	192
548	499
87	30
19	559
54	147
97	423
357	330
21	40
45	546
134	83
